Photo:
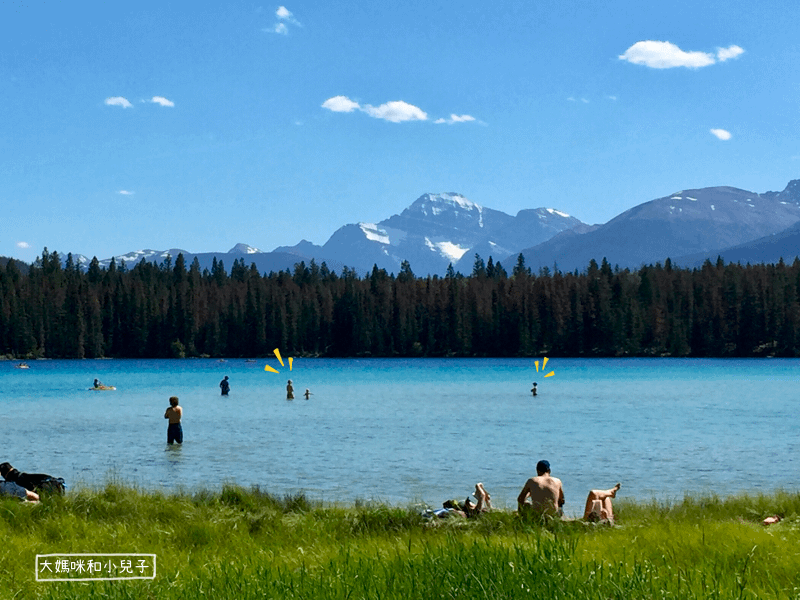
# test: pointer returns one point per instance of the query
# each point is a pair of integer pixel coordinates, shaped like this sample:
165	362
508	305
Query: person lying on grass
468	508
598	505
484	504
9	488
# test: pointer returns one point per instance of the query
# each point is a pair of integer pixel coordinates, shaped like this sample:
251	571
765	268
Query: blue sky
200	125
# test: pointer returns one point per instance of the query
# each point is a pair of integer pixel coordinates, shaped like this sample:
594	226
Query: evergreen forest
57	309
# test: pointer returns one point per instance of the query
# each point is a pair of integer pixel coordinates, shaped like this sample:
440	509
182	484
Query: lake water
403	431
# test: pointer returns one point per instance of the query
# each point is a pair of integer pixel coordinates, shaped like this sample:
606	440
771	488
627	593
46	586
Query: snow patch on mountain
448	250
149	255
373	233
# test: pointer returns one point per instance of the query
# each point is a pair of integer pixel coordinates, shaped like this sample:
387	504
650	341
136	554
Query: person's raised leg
604	497
484	500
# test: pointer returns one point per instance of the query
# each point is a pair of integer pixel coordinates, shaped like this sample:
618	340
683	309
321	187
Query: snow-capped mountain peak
243	249
438	204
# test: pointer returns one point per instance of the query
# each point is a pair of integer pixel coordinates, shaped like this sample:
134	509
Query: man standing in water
225	386
174	414
544	491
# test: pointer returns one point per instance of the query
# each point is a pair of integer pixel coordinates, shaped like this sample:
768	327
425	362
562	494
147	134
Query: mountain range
438	230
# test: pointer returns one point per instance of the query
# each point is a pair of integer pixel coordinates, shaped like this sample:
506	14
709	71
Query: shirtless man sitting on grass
545	492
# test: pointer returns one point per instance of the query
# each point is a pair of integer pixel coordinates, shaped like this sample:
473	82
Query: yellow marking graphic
280	360
544	363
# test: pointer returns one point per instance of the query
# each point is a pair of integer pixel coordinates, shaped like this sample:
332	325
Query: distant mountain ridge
437	230
682	226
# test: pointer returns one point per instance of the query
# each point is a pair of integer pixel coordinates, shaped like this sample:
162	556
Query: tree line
57	309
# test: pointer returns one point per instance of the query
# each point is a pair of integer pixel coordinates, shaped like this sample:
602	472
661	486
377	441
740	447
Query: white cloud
455	119
665	55
126	193
118	101
721	134
724	54
611	97
284	16
162	101
23	245
341	104
396	111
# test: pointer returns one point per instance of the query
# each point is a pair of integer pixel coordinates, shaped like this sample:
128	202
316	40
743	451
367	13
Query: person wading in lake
174	414
289	391
225	386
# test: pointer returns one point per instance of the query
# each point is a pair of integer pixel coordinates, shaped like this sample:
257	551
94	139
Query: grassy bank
249	544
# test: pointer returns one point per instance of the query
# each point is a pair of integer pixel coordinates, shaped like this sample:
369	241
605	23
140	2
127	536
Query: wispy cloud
721	134
455	119
118	101
23	245
573	99
285	18
126	193
724	54
396	111
162	101
666	55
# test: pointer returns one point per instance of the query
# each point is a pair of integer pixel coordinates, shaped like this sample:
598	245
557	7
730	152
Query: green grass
242	544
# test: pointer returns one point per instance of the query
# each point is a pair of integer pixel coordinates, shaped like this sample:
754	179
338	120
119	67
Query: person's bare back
544	491
174	414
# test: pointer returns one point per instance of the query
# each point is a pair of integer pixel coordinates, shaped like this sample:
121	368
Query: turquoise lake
407	431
